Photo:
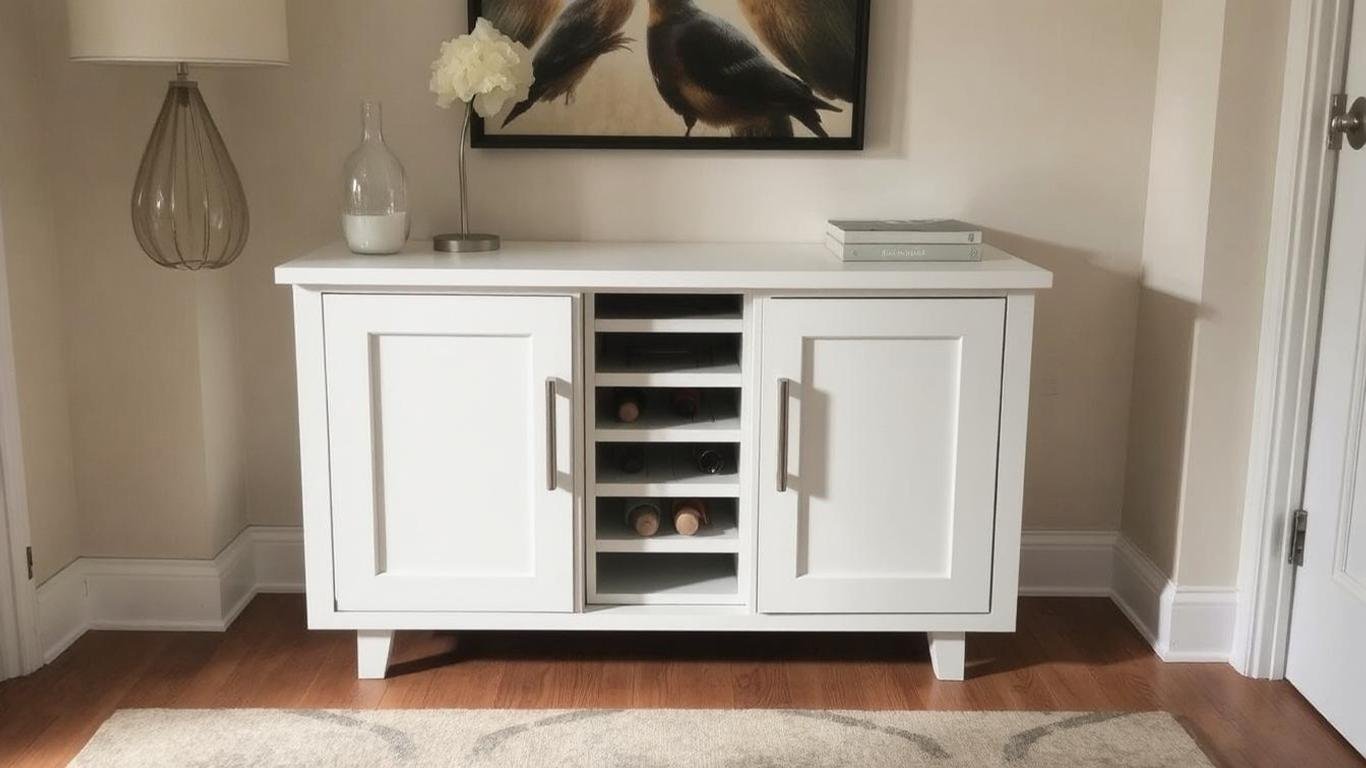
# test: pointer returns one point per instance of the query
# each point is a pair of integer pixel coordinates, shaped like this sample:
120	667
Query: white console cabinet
464	466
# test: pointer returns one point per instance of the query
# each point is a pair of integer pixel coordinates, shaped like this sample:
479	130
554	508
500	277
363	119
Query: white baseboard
1067	563
1199	623
167	595
61	611
1182	624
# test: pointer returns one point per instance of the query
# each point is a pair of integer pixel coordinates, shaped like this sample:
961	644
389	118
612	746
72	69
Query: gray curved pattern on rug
637	739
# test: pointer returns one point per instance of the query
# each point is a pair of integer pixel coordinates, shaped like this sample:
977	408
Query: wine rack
678	363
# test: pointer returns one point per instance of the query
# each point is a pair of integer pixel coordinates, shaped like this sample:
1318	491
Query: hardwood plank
1068	654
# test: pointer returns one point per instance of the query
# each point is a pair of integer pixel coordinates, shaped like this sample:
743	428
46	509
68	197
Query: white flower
485	66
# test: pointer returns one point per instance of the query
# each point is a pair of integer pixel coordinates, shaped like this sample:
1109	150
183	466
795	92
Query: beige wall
1174	239
1235	269
1204	257
33	265
142	341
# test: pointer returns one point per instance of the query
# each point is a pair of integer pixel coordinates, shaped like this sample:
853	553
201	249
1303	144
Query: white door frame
1315	68
20	652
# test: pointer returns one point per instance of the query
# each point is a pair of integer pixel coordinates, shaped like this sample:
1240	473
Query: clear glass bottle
375	197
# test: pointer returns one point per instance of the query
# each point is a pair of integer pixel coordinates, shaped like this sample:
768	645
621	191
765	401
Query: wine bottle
643	516
709	461
628	405
631	459
690	515
686	402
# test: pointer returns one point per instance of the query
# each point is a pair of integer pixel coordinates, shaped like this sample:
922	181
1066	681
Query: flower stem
464	189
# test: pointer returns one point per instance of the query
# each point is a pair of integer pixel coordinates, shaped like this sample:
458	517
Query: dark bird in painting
522	20
707	70
586	30
816	39
771	127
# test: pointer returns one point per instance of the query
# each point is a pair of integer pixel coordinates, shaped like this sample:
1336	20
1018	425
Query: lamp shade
220	32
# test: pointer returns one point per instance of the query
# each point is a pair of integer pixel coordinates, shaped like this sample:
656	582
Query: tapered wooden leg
948	654
372	653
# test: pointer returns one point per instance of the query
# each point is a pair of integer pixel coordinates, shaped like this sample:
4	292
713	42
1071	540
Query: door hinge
1345	121
28	555
1299	524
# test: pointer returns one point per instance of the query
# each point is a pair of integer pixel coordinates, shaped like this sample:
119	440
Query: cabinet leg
372	653
948	654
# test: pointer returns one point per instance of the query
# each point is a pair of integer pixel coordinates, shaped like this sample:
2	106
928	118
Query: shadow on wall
1080	384
887	111
1157	429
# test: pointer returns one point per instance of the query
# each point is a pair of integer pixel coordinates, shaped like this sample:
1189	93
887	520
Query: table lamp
189	209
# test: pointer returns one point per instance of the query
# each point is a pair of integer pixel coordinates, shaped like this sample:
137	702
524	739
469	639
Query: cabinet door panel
892	414
437	415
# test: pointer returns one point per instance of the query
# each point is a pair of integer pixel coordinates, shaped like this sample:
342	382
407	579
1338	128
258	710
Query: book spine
904	252
904	238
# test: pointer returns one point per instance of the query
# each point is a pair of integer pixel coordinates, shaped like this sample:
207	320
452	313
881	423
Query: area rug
637	739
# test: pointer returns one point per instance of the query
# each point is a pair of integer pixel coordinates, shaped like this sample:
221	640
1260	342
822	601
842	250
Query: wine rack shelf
670	325
655	313
667	579
668	360
646	348
646	374
668	471
718	421
613	535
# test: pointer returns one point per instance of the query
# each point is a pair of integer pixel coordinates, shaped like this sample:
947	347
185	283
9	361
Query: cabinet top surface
655	266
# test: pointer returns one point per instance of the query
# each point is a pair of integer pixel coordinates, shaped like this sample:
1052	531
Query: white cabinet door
451	491
879	422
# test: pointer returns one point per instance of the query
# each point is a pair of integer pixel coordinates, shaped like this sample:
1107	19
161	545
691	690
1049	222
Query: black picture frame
480	139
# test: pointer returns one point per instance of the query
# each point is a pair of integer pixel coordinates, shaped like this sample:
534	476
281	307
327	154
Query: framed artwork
684	74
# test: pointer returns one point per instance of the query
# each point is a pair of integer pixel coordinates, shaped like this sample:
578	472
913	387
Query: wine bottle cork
629	404
643	517
689	516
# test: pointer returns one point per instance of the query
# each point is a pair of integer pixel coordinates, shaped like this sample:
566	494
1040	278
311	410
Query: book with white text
903	251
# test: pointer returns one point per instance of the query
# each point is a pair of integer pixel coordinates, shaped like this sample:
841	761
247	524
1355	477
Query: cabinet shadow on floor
1081	630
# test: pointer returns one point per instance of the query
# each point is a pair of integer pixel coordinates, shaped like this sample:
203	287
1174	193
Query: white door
450	429
879	422
1328	616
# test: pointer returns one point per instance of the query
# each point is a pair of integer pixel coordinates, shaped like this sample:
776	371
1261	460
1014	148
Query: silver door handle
551	471
784	391
1347	122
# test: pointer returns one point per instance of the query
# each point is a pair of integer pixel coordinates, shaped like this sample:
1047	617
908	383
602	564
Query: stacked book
904	240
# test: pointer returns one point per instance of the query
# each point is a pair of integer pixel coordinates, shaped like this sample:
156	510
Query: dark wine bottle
690	515
687	402
631	459
643	517
628	405
709	461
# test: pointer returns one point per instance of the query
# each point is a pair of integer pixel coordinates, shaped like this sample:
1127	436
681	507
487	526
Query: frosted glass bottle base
471	243
380	234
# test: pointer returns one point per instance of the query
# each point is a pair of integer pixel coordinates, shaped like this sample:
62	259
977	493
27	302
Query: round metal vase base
471	243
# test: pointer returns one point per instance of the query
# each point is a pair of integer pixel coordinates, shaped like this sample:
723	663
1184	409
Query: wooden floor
1068	655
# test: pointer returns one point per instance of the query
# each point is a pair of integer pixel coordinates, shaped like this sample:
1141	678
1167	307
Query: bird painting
815	39
522	20
707	70
750	74
584	31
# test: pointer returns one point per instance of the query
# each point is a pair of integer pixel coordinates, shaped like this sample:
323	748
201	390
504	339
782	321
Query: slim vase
465	241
